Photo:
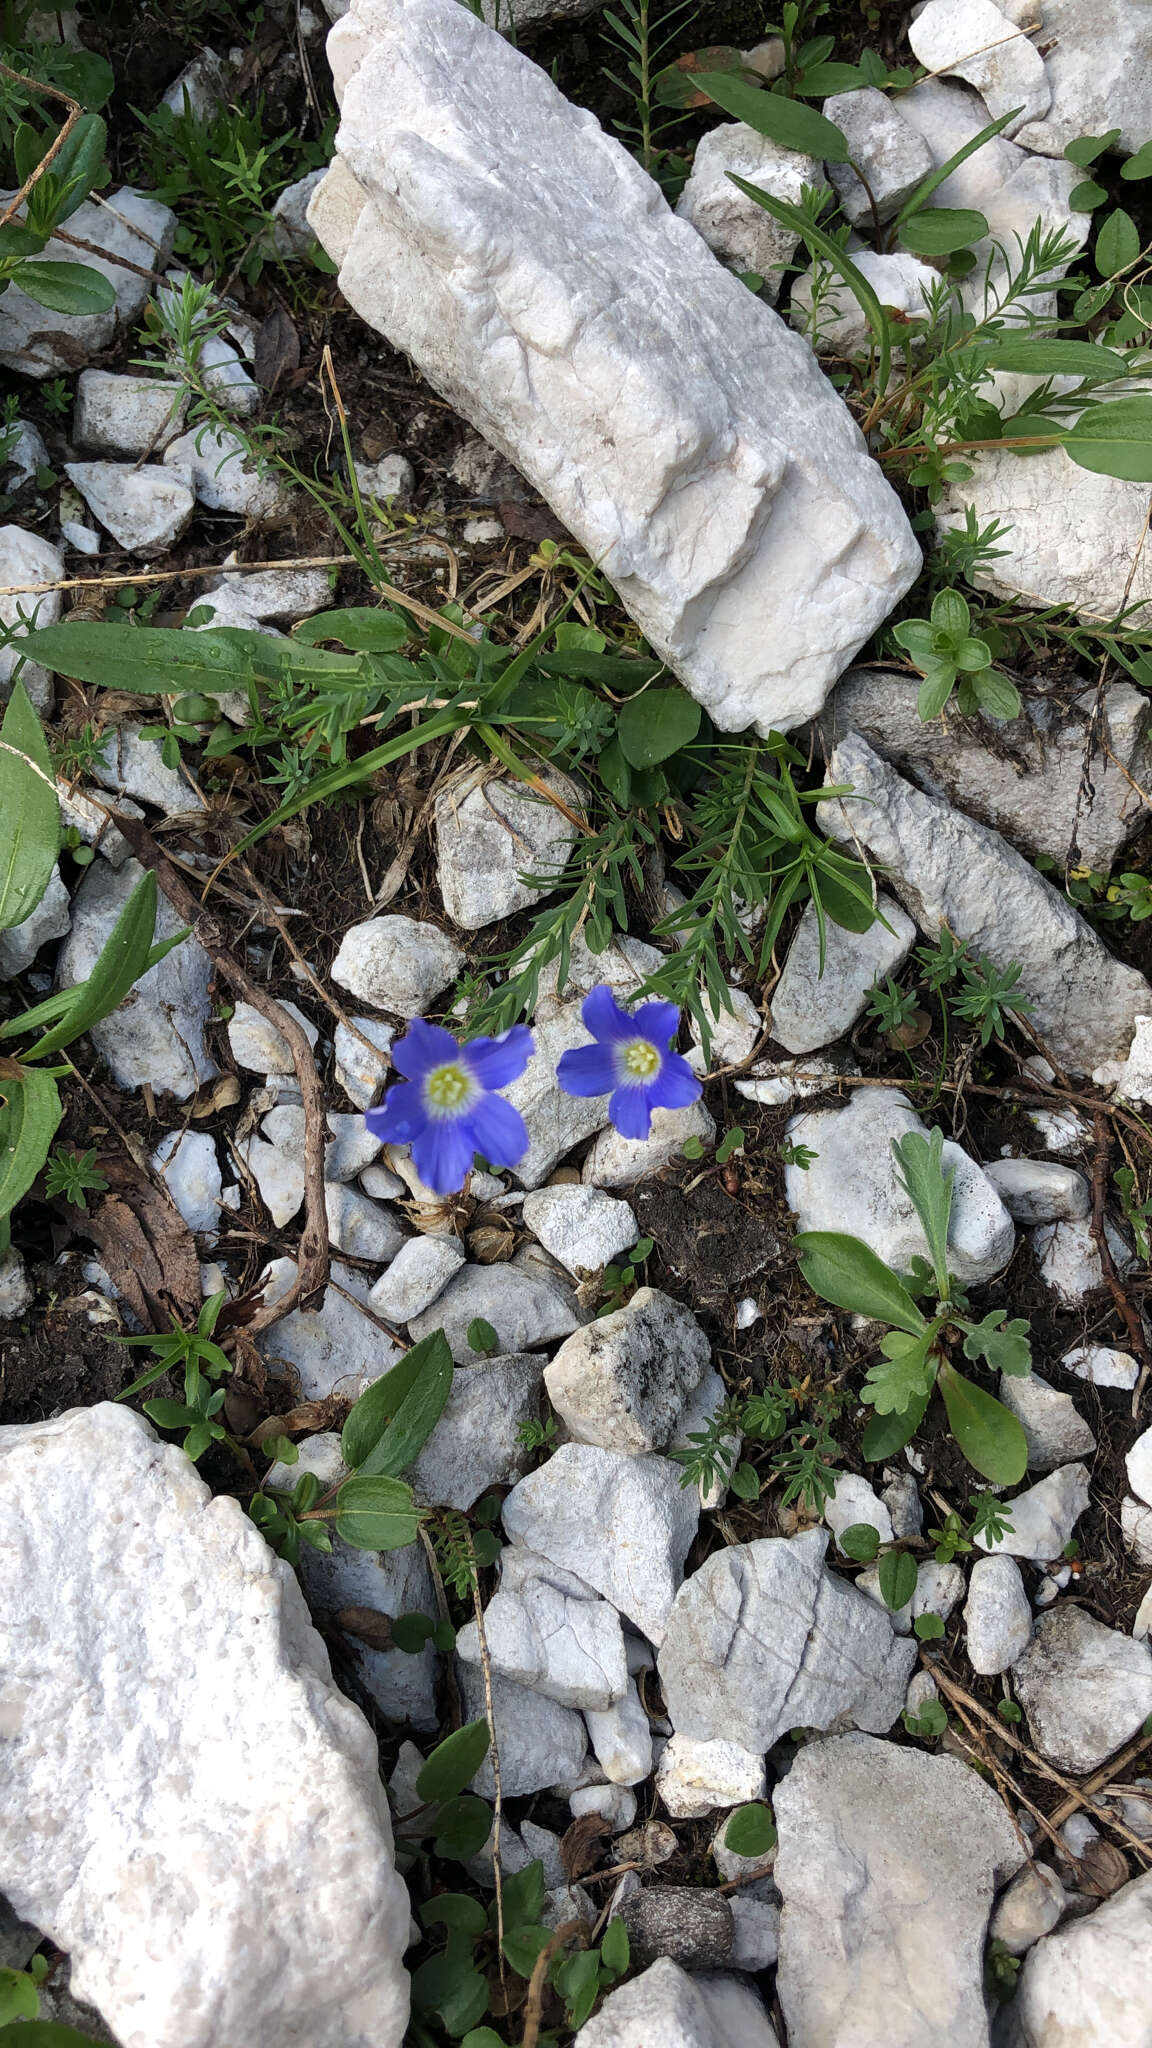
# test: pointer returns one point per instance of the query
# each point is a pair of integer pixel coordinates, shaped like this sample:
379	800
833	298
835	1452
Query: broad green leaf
482	2037
656	724
1047	356
919	1166
29	1120
897	1574
988	1433
887	1434
30	810
124	958
973	656
522	1945
79	164
394	1417
751	1830
376	1514
461	1828
905	1376
42	2034
846	1272
156	660
1005	1349
460	1910
918	639
781	120
71	288
939	230
822	81
1114	439
1117	244
170	1414
860	1541
482	1337
454	1762
19	1998
410	1632
950	614
846	901
523	1896
1086	148
928	1628
615	1951
998	695
366	629
1138	166
1086	195
938	685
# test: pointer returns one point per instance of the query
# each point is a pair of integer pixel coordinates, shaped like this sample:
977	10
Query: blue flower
445	1108
631	1060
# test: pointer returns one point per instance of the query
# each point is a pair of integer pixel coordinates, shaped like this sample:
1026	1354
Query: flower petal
443	1152
675	1086
498	1130
587	1070
603	1016
498	1061
400	1117
630	1111
657	1021
423	1047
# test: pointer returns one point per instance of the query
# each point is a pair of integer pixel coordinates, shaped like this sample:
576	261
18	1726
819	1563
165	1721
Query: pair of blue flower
448	1107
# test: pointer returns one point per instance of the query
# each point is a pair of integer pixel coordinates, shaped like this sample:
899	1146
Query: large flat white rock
187	1804
532	270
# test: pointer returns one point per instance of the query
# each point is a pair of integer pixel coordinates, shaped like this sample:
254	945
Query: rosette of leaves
915	1357
951	657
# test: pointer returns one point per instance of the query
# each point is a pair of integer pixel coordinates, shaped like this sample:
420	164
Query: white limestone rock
476	1444
1085	1689
276	1161
1072	537
489	832
888	1863
417	1276
997	1617
893	156
1056	1431
332	1348
485	226
734	1028
222	371
134	416
1069	1259
541	1743
621	1524
1043	1517
1101	1367
353	1150
22	452
16	1293
133	1602
621	1739
125	223
616	1162
283	594
614	1803
1087	1984
546	1630
391	481
763	1638
201	88
946	867
397	963
291	234
157	1034
693	1778
810	1008
666	2005
852	1186
1023	776
851	1502
622	1381
744	235
214	464
144	510
360	1074
556	1121
580	1226
1138	1461
525	1312
26	558
257	1045
51	919
360	1227
187	1163
1136	1528
1098	63
133	766
971	39
1039	1190
1028	1908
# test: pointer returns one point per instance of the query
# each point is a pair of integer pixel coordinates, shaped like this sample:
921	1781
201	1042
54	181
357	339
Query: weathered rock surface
1086	1689
1023	776
947	868
852	1186
616	1162
476	1443
41	343
1072	536
743	234
547	1630
417	1276
1101	1367
1043	1517
131	765
622	1381
694	1778
1087	1985
692	1927
489	832
333	1348
580	1226
621	1739
540	1742
1027	1908
525	1312
668	2006
1098	63
764	1638
971	39
187	1162
810	1008
397	963
621	1524
126	415
836	325
27	558
887	1864
523	259
51	919
1056	1431
214	463
134	1604
1039	1190
257	1045
998	1616
893	155
157	1034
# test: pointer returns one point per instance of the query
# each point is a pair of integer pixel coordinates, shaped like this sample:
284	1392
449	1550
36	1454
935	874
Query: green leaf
171	1414
29	1120
1137	166
745	1481
410	1632
934	178
938	230
1046	356
906	1374
1114	439
928	1628
462	1827
615	1950
919	1166
950	614
988	1433
822	81
1005	1350
781	120
1087	194
482	2037
751	1830
79	164
367	630
887	1434
918	638
817	239
459	1910
615	773
938	685
19	1998
385	1438
656	724
376	1514
1086	148
30	809
482	1337
71	288
522	1945
898	1574
846	1272
1117	244
156	660
42	2034
860	1541
997	694
454	1762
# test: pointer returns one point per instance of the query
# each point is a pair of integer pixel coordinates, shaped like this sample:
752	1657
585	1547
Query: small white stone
200	90
26	558
352	1151
123	225
51	919
1043	1517
158	1035
290	230
548	1631
359	1073
1059	1130
397	963
16	1292
223	372
133	766
997	1616
145	510
853	1501
1136	1528
731	1865
755	1933
1069	1261
478	1442
492	830
276	1162
971	39
332	1348
622	1381
541	1743
614	1803
1028	1908
24	452
810	1008
744	235
1102	1367
1139	1463
893	157
214	461
1086	1689
418	1274
126	415
258	1046
734	1033
391	480
1040	1191
381	1183
616	1162
748	1312
359	1227
580	1226
284	594
694	1778
187	1163
84	539
836	325
1055	1429
621	1739
525	1310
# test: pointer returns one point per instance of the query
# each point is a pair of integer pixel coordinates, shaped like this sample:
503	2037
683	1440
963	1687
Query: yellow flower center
641	1059
448	1086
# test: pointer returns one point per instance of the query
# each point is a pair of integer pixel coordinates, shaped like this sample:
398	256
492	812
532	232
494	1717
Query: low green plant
927	1722
73	1175
1137	1212
20	2008
892	1007
803	1458
951	658
222	175
751	1830
800	1156
914	1356
538	1434
957	1538
33	76
618	1279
